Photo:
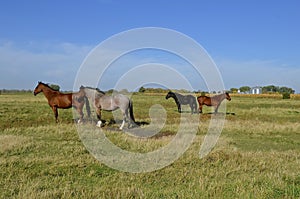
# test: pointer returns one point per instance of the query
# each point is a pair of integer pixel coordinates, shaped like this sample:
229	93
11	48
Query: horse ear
81	87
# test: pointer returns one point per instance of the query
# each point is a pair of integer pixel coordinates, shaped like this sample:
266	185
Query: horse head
82	87
38	88
227	96
170	94
81	92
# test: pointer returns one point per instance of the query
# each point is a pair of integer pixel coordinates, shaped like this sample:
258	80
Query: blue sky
252	42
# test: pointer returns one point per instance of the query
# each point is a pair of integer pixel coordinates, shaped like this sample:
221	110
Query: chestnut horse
214	101
57	100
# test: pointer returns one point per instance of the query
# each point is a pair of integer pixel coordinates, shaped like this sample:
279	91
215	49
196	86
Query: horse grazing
101	101
183	100
57	100
214	101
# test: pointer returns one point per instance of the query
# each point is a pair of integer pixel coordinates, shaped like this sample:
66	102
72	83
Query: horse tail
87	106
131	111
194	102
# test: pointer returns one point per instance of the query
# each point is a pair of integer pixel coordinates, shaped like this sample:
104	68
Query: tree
142	90
270	89
286	90
245	89
234	90
55	87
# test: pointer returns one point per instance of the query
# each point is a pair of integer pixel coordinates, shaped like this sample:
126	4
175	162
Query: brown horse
57	100
214	101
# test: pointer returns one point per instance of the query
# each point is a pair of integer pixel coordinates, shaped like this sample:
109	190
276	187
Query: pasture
257	154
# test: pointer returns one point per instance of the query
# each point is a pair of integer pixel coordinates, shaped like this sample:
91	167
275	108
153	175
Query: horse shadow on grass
219	113
109	124
210	114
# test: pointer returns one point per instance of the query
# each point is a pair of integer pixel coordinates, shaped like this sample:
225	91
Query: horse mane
47	85
175	94
96	89
219	95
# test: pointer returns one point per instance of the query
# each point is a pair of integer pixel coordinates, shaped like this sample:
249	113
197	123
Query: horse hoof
99	124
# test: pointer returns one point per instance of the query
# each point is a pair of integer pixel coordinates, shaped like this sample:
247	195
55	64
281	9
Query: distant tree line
270	89
277	89
265	89
15	91
54	86
160	90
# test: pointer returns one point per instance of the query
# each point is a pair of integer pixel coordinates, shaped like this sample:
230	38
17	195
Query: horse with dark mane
183	100
214	101
101	101
57	100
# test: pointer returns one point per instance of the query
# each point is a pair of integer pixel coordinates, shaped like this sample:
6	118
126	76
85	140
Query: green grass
257	154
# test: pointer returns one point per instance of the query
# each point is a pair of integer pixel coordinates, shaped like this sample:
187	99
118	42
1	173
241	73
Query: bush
55	87
286	95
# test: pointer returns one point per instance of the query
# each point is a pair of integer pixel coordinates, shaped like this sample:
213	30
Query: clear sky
253	42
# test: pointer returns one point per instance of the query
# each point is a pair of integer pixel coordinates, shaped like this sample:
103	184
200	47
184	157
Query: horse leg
125	117
179	107
200	108
123	123
79	110
131	116
54	108
193	107
98	112
216	109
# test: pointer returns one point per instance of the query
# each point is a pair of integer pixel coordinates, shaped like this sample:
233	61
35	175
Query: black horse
183	100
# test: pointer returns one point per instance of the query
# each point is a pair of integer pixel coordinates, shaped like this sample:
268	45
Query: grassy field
257	154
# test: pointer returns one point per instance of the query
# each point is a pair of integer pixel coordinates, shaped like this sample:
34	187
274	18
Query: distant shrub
286	95
142	90
203	93
55	87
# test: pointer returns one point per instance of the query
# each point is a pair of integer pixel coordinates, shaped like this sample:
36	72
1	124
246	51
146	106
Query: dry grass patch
12	142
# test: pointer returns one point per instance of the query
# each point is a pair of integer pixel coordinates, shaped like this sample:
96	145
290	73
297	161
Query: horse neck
173	95
222	97
93	94
48	92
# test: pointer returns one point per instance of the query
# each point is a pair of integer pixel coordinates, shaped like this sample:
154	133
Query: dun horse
183	100
57	100
214	101
101	101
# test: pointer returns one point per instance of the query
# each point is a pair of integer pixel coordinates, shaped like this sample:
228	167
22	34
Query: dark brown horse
183	100
57	100
214	101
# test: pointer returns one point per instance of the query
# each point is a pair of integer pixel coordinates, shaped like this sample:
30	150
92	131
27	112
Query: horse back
204	100
62	100
188	99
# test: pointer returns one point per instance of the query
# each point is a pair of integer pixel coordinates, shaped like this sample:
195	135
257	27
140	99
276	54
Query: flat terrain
257	154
